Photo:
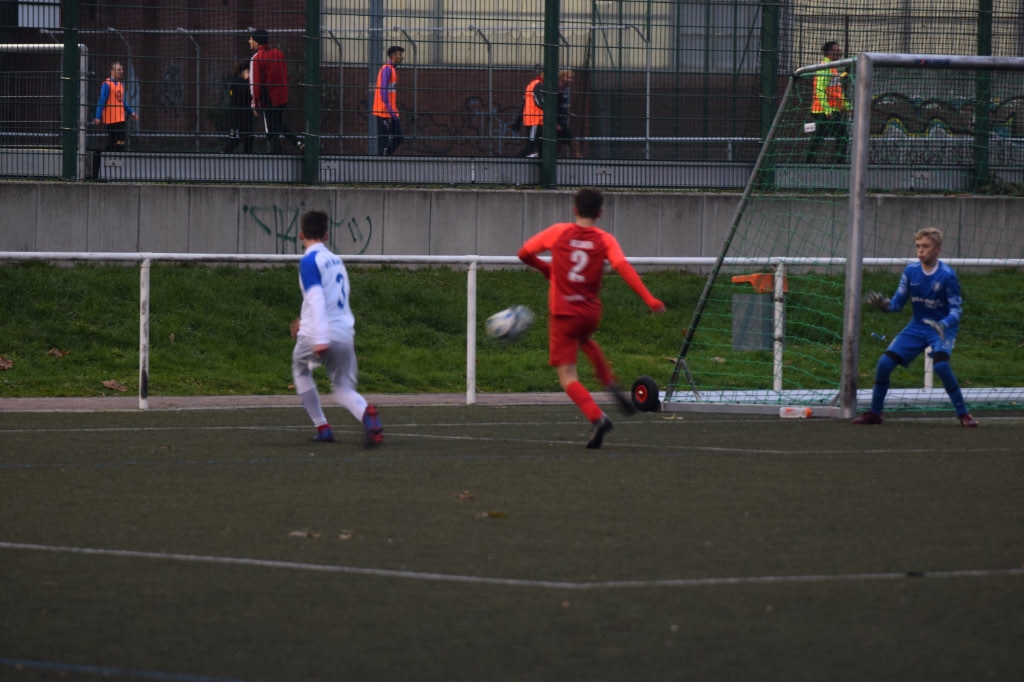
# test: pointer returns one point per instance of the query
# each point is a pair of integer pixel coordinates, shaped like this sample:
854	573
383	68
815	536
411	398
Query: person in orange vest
385	103
113	111
533	116
829	106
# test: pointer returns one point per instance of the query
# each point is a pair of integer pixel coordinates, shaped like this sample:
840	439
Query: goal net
895	143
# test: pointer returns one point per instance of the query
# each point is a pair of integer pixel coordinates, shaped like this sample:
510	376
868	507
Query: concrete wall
264	220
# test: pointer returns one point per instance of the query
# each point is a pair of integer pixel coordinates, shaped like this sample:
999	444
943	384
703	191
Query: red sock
602	370
323	427
581	396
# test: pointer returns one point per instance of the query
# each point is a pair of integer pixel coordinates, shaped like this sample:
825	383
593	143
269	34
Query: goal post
830	210
861	135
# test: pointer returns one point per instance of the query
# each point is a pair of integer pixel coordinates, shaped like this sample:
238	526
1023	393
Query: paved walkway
131	403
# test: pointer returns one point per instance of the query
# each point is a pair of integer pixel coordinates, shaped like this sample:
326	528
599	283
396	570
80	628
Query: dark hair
239	68
261	36
314	225
827	47
588	202
395	48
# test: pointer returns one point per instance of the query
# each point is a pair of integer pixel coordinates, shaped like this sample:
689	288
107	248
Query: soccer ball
509	323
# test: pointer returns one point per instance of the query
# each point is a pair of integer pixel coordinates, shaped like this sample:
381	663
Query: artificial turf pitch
485	543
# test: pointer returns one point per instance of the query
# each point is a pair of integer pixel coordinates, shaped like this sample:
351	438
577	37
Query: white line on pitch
633	445
515	582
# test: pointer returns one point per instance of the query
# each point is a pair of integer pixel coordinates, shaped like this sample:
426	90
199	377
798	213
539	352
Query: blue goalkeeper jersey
326	315
933	297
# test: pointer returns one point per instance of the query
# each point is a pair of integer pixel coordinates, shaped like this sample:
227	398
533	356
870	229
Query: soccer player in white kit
325	334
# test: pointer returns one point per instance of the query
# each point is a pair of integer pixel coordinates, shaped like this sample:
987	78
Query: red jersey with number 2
577	265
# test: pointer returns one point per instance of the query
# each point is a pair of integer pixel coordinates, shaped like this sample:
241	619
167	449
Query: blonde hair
932	233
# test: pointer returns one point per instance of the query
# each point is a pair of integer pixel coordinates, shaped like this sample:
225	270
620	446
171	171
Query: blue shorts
917	336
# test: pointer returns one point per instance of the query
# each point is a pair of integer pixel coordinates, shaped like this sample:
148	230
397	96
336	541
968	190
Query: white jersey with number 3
326	315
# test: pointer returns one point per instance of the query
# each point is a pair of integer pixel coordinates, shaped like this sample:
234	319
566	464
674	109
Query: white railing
472	264
145	260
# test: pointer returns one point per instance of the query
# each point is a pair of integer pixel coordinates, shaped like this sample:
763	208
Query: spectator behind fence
112	110
385	103
565	79
829	106
239	116
268	77
533	115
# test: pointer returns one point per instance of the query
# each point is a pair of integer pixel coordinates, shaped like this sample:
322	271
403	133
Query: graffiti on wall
348	235
475	131
172	88
913	131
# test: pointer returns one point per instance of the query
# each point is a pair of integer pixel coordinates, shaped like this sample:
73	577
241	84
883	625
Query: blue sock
945	373
885	367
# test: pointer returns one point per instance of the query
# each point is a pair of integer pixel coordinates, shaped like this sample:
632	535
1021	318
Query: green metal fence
671	93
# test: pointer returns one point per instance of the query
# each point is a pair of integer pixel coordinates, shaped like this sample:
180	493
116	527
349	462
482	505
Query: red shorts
566	334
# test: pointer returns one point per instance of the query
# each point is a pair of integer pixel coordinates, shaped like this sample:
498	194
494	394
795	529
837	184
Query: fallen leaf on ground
172	337
346	534
115	385
717	359
57	352
491	515
6	363
303	534
464	495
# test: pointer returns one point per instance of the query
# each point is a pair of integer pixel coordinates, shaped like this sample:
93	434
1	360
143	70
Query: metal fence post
549	134
769	68
983	97
71	79
311	157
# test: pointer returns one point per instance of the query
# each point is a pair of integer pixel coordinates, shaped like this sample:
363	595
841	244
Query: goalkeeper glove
937	326
878	299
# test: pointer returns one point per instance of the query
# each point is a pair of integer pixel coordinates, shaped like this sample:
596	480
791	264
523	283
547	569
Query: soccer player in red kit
578	253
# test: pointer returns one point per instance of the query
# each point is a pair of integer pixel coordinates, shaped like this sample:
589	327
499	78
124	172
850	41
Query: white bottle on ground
795	412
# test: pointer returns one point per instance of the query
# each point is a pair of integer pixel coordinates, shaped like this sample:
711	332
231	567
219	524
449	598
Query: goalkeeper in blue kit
933	290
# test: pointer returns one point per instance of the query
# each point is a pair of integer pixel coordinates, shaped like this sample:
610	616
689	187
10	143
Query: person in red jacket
578	253
268	78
